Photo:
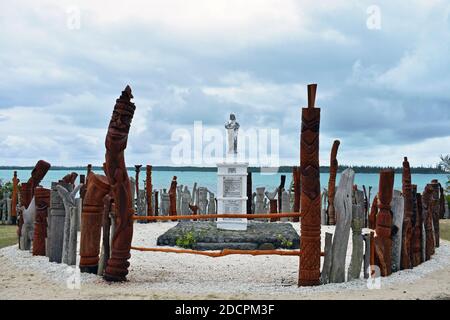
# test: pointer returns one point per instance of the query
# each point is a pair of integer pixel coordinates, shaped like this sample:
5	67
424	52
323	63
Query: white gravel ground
189	275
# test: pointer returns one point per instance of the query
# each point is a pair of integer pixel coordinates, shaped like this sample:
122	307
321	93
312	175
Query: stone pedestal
232	194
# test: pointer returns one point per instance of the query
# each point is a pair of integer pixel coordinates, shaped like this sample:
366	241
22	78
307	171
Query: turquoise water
162	179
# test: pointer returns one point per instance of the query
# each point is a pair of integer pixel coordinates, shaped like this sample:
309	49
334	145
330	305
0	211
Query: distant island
282	169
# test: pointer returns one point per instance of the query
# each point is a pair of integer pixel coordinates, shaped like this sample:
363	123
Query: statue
42	198
91	222
232	127
332	183
173	197
137	168
296	178
70	178
27	188
149	190
407	230
116	172
309	274
69	247
383	239
185	201
14	198
27	215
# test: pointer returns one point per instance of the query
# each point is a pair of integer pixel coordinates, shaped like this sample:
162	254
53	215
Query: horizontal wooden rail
224	252
212	216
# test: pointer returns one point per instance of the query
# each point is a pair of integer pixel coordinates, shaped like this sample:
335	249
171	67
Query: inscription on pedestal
232	187
232	206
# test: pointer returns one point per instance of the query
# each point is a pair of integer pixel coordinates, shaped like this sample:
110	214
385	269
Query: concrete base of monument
204	235
232	224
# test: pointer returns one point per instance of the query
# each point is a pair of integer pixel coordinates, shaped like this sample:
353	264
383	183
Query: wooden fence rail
212	216
224	252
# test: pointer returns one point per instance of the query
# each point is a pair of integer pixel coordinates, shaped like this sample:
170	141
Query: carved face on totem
39	172
119	126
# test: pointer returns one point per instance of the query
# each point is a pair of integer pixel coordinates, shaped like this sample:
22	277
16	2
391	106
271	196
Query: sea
162	179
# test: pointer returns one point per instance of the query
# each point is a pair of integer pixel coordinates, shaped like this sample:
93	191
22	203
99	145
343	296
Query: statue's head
40	170
120	123
232	117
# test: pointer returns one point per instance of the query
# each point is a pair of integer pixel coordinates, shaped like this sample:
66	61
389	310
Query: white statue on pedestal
232	127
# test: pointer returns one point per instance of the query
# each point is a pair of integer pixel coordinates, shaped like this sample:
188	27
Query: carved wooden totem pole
407	217
281	188
91	222
116	171
70	178
249	193
27	188
149	190
173	197
310	199
332	182
137	169
383	239
436	207
417	233
296	176
14	197
42	198
83	186
427	207
372	220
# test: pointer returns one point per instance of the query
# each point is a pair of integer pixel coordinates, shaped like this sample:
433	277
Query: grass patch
444	229
8	235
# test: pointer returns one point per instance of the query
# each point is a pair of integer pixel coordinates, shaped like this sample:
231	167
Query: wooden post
343	203
173	197
42	198
397	207
296	176
417	233
91	222
383	239
427	205
373	214
436	208
116	171
14	197
280	190
358	210
249	193
309	274
326	269
137	169
332	182
407	224
149	190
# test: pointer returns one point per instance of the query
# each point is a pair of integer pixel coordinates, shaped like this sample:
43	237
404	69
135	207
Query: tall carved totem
383	239
310	197
332	182
116	171
407	232
149	190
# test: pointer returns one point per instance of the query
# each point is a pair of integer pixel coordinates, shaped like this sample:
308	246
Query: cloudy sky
382	72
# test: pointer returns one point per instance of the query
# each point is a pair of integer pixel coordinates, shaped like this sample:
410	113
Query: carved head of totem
39	172
119	126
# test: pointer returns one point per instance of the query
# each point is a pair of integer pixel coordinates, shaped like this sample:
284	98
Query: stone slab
259	235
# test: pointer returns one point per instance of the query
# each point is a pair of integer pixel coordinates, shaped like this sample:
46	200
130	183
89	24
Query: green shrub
187	240
285	243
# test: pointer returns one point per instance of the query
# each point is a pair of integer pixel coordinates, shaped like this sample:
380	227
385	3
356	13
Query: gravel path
156	275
